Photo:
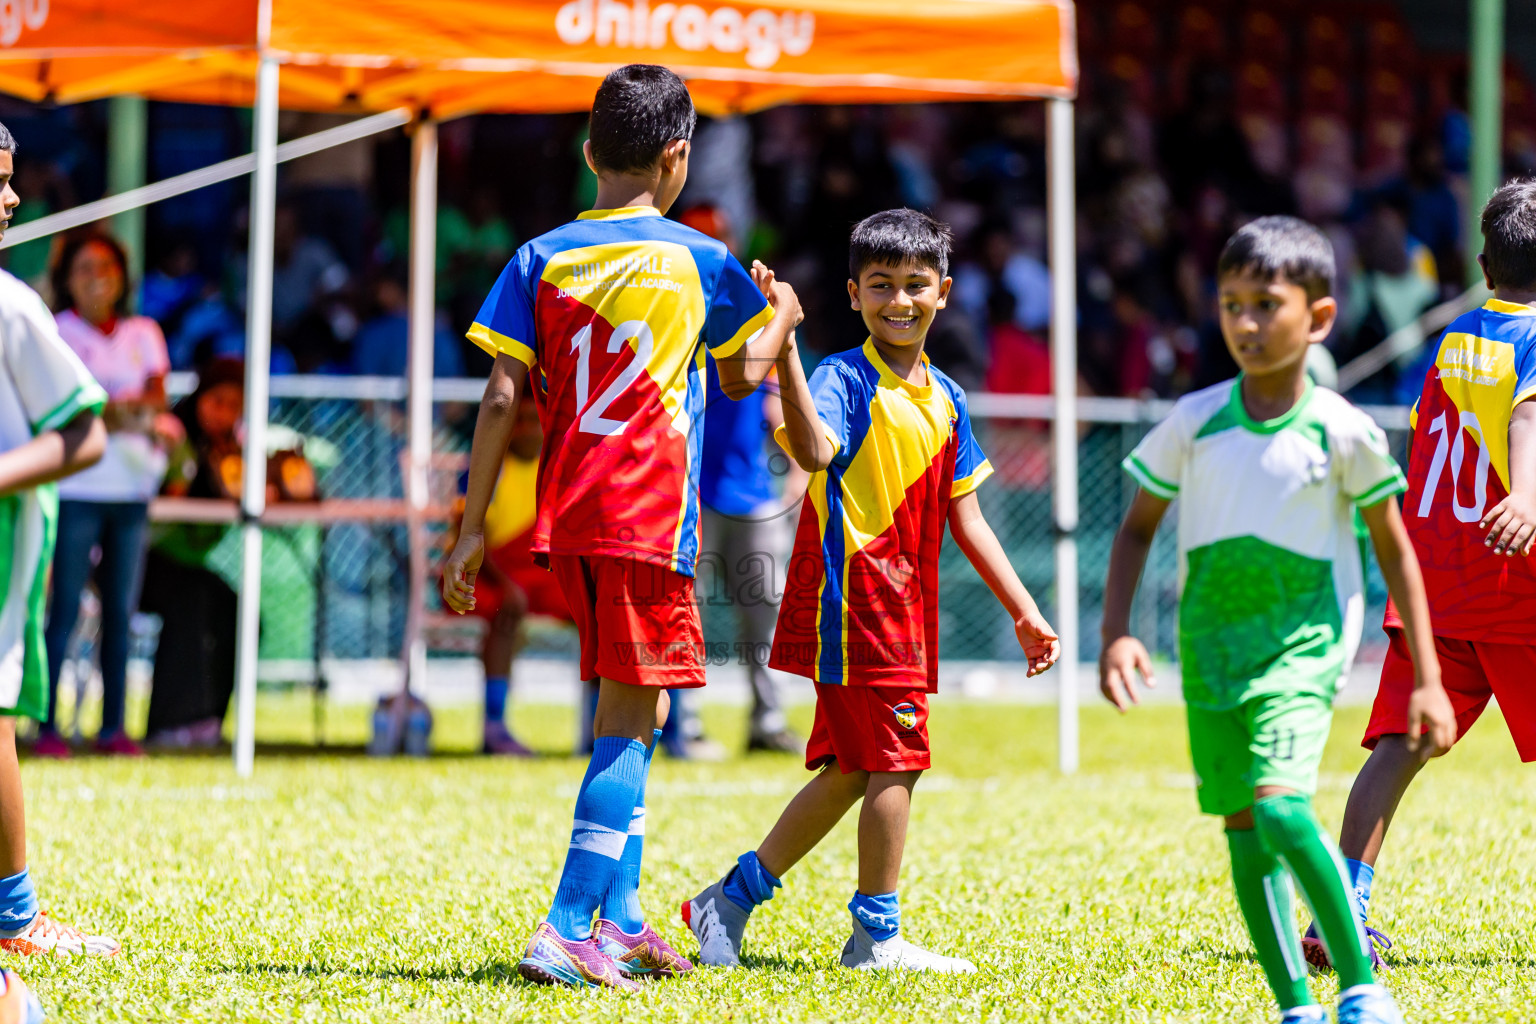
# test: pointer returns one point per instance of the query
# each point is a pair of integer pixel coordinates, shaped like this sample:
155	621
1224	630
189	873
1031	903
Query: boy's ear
1482	264
673	154
944	287
1324	312
853	294
586	151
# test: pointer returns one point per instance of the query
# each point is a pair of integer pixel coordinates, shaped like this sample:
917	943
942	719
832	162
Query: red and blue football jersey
612	313
861	602
1459	469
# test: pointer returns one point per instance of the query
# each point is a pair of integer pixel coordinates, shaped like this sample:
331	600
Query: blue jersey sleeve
737	310
971	465
1525	373
504	324
832	396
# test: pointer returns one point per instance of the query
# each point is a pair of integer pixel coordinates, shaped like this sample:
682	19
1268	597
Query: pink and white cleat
45	935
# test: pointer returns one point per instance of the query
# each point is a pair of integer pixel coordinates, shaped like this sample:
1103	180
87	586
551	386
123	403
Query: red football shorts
638	622
869	728
539	589
1472	672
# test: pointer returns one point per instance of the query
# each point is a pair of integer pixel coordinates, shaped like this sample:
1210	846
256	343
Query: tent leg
1485	84
258	360
127	148
422	330
1063	255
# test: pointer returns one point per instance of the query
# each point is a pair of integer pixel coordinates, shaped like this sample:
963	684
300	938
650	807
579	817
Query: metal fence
344	587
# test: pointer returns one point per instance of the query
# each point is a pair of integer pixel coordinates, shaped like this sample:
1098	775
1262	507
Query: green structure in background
1485	83
127	160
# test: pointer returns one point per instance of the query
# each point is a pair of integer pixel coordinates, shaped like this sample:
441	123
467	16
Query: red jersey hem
900	682
671	560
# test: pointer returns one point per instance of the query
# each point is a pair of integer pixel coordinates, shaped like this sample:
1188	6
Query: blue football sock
621	903
880	915
598	836
1360	875
749	884
496	688
18	904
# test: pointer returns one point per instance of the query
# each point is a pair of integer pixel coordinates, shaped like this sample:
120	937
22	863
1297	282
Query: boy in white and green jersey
50	427
1269	471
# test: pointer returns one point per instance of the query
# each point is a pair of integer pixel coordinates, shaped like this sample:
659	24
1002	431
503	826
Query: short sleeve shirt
132	467
1459	469
1271	576
613	313
860	603
43	386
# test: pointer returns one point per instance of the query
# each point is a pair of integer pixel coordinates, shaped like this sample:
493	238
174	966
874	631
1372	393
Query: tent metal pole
258	361
1063	257
1485	82
127	151
423	308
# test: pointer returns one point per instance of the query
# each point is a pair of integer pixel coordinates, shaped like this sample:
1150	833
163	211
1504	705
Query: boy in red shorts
888	442
1471	513
511	586
606	320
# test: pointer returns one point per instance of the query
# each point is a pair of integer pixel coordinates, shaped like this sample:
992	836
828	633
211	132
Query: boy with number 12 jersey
606	320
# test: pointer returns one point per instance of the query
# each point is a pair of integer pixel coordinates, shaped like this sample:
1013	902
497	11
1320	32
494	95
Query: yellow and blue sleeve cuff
744	334
500	344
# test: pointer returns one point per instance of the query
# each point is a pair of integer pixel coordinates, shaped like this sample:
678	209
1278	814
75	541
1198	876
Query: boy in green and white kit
1269	470
50	427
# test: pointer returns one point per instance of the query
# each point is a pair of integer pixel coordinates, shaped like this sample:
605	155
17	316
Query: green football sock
1292	833
1264	896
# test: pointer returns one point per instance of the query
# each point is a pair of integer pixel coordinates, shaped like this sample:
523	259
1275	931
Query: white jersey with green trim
1271	576
43	385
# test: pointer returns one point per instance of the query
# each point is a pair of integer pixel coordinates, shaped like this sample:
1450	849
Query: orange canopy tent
445	58
461	56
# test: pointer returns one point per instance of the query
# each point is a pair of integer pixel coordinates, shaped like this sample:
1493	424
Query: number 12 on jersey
593	420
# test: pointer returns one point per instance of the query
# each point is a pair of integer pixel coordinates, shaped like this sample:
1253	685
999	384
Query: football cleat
1368	1004
45	935
17	1003
718	924
579	963
642	956
1313	1014
863	953
1317	954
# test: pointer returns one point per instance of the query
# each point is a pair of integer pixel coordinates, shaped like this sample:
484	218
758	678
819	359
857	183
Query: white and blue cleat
1368	1004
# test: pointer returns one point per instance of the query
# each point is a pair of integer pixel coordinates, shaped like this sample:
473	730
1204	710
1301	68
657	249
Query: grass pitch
335	888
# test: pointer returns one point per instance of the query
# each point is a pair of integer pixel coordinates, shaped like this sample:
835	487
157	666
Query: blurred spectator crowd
1194	116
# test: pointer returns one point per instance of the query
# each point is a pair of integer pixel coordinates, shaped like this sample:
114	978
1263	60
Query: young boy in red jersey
888	442
1471	513
606	320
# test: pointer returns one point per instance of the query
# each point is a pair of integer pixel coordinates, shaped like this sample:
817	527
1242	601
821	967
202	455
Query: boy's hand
460	572
1511	526
1040	643
1118	666
779	295
1430	713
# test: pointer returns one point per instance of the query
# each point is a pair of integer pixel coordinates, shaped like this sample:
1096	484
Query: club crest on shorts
906	715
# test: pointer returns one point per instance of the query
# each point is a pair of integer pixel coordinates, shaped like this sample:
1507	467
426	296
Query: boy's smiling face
898	303
1269	323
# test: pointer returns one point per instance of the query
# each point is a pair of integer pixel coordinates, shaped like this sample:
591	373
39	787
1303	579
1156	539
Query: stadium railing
339	592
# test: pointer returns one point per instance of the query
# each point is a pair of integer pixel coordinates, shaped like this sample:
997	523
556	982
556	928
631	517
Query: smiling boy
888	443
1269	470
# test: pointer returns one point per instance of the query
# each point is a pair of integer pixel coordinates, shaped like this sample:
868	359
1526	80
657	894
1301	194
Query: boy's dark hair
899	237
1509	234
1281	247
7	140
639	108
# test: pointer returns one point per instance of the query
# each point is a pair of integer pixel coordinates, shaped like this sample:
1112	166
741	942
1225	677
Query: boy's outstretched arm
493	432
1511	524
54	454
743	371
1123	655
975	537
1429	709
804	432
